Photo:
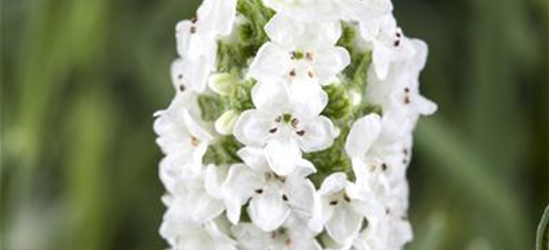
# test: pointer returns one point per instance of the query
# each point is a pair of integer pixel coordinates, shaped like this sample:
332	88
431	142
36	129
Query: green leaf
542	241
210	106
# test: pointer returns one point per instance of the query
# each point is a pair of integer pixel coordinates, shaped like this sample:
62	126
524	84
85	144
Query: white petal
300	193
329	62
366	11
270	96
344	224
322	212
333	184
308	98
239	186
305	244
206	208
319	135
363	134
282	155
304	168
424	105
253	157
268	211
252	128
381	57
191	74
194	128
217	16
183	37
251	237
279	31
270	62
213	179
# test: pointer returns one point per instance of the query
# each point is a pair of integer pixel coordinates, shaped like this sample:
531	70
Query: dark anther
284	197
407	90
182	88
398	35
273	130
346	198
300	132
311	74
384	166
278	119
194	19
407	100
293	55
397	43
294	122
259	191
333	203
195	141
193	29
292	73
309	56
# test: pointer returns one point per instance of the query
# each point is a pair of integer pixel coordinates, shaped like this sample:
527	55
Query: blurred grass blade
468	172
431	233
542	241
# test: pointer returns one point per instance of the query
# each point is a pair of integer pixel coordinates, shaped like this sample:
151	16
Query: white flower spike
291	127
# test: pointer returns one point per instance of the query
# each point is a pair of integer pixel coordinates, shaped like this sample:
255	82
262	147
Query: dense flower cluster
291	127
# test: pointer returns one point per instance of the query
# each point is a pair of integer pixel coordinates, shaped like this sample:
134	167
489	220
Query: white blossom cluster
268	199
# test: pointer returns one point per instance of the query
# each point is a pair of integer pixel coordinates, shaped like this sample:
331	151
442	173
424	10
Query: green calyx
233	91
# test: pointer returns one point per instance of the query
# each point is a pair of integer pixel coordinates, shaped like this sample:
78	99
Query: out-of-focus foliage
80	80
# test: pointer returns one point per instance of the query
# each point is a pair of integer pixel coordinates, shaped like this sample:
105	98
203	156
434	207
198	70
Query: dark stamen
259	191
346	198
333	203
292	73
273	130
301	132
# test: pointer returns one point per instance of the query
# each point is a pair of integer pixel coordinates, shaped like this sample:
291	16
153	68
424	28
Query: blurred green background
80	80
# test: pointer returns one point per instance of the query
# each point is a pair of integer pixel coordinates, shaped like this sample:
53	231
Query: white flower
272	197
330	10
208	236
198	35
284	128
182	139
197	42
380	149
300	52
292	236
400	89
191	74
387	42
342	207
190	201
